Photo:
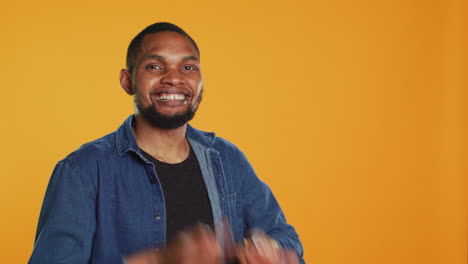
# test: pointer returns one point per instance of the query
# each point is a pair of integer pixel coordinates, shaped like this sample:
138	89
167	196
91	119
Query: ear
126	81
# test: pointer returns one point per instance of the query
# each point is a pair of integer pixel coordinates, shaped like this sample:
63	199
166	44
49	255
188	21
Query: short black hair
135	45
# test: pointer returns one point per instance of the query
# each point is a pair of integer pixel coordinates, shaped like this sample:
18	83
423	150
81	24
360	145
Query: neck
166	145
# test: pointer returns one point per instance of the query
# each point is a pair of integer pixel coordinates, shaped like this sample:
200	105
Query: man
153	191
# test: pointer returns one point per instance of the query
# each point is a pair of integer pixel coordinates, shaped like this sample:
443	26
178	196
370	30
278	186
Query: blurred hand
262	249
195	246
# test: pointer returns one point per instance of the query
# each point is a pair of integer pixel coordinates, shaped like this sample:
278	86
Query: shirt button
157	217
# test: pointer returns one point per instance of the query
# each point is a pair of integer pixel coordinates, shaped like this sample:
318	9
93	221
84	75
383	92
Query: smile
164	97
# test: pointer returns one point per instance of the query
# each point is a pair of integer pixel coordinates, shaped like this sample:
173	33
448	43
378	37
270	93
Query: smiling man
158	190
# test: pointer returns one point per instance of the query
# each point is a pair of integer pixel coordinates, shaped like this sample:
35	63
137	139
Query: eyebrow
155	57
159	57
188	58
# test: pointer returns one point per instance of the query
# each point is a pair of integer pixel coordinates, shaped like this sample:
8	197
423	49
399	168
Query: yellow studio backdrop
354	112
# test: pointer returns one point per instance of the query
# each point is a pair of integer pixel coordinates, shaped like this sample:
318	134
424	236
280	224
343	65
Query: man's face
167	80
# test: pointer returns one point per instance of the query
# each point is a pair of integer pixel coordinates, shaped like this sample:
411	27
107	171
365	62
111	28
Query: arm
262	211
67	220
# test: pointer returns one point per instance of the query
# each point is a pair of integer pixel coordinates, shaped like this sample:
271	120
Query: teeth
171	97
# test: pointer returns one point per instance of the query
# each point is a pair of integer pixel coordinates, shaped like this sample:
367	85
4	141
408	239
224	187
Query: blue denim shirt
104	201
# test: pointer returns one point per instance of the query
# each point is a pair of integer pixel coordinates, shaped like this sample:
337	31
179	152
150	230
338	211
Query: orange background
354	112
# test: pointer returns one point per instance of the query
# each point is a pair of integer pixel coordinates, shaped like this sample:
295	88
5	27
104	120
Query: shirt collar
125	140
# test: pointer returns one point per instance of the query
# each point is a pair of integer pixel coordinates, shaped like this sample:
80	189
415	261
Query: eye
190	68
153	67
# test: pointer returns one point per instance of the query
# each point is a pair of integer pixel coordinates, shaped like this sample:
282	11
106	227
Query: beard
159	120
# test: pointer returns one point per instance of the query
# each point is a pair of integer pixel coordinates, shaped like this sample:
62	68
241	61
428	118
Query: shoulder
89	158
99	148
228	151
81	166
210	140
231	157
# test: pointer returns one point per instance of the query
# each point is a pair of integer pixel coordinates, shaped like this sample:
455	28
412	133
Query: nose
173	77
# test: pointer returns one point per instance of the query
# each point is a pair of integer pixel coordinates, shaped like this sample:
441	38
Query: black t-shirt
185	194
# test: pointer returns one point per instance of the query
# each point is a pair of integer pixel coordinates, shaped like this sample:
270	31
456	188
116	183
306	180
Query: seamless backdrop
354	112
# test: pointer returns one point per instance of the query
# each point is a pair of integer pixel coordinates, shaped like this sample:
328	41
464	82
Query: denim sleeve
262	211
67	220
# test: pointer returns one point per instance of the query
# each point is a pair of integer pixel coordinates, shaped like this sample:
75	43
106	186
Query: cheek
140	95
144	86
145	80
198	85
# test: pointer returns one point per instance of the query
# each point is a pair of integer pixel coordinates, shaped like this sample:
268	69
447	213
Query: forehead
167	41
